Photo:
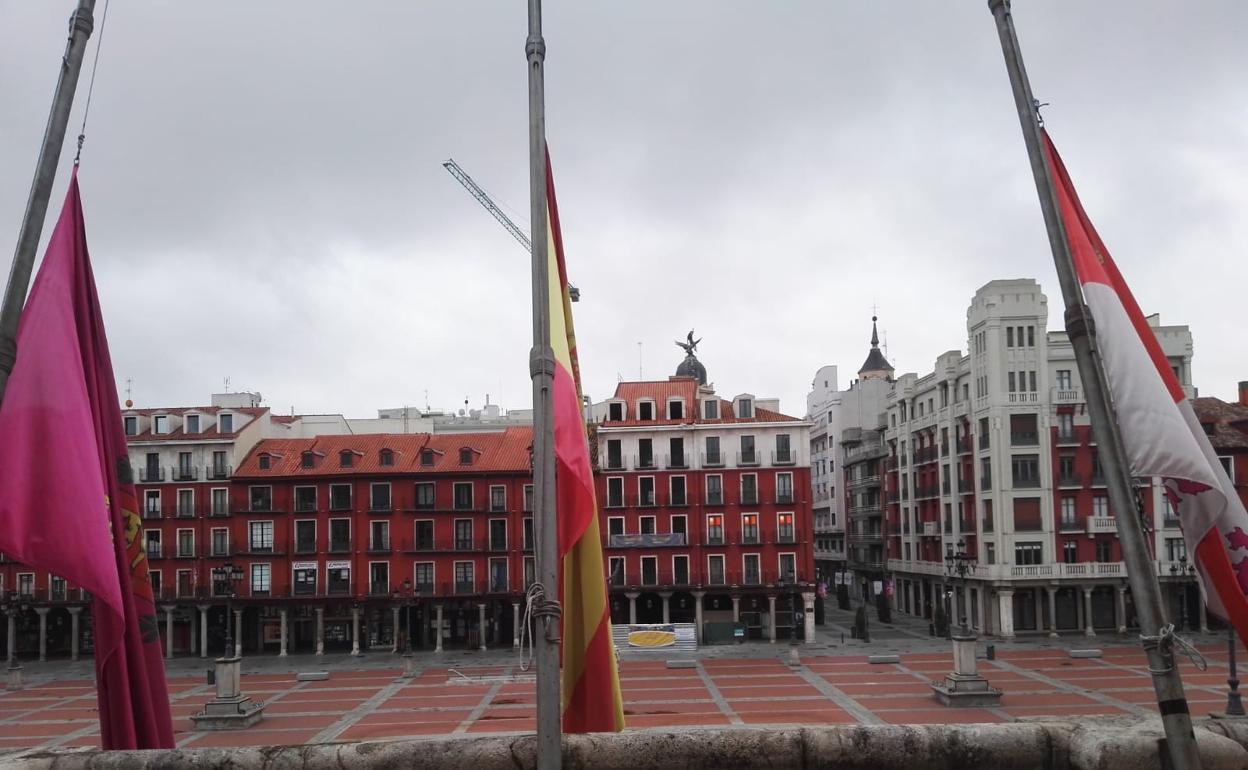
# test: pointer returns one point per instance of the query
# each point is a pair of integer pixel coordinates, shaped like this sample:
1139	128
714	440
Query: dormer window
225	423
465	456
645	410
676	409
308	460
745	408
132	426
346	458
615	411
192	423
265	461
160	424
386	458
426	457
710	409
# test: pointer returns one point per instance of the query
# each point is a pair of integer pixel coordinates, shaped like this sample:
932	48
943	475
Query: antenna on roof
227	384
426	400
129	394
640	375
405	419
886	344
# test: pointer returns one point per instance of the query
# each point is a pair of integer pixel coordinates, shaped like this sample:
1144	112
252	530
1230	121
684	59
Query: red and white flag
1160	431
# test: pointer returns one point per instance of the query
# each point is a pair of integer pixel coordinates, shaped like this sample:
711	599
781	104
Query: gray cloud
265	199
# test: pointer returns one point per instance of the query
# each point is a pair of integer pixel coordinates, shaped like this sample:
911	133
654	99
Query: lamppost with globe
405	596
230	575
957	566
16	603
1182	571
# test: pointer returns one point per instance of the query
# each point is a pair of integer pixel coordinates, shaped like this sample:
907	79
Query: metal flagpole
80	25
542	370
1158	643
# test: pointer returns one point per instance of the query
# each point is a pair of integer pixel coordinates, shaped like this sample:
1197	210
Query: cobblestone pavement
750	684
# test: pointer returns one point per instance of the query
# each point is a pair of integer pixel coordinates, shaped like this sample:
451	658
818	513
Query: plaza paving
754	685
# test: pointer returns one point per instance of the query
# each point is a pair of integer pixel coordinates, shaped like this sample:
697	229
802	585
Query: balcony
1170	522
750	537
647	499
1065	395
463	587
966	486
151	512
305	506
987	525
184	473
217	472
784	457
985	483
185	553
305	546
379	546
712	459
185	512
1025	438
219	510
964	445
340	546
380	507
1070	525
261	550
714	498
714	539
1028	482
644	462
749	497
1067	438
1102	525
1070	480
463	544
498	585
151	475
931	528
379	589
677	461
784	498
984	441
155	552
748	458
1024	398
1098	478
786	536
615	462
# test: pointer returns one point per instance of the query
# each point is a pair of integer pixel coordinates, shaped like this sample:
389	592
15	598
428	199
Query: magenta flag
66	487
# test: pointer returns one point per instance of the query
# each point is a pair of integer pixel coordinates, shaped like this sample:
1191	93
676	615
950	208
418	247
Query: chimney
1243	392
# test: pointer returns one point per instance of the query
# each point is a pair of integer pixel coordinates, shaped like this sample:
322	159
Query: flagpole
542	370
1171	701
80	25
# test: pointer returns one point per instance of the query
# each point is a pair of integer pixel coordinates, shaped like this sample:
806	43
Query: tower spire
875	336
876	367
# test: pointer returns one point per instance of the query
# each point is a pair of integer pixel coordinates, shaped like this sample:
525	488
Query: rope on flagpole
82	133
1166	639
536	607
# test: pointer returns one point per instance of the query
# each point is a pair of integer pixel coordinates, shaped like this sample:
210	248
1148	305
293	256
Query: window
424	536
748	456
183	586
160	424
1009	336
788	567
498	498
424	496
260	536
784	488
615	525
749	528
615	454
219	471
617	570
186	543
498	534
261	499
305	581
498	576
983	433
1026	471
1228	465
1031	338
339	535
1023	430
307	460
615	492
745	408
1031	381
1065	426
192	423
465	456
710	409
422	574
463	496
679	526
645	410
379	497
528	497
386	458
751	576
1027	553
305	537
677	493
749	488
1069	517
265	462
132	426
645	491
260	584
426	457
186	502
1100	506
463	534
225	423
1027	514
465	580
151	504
990	553
715	570
649	570
1103	551
1070	552
338	578
1009	377
680	570
26	584
340	497
379	536
645	453
1176	549
676	453
346	458
713	457
784	528
715	529
528	533
154	576
1062	378
220	541
675	409
714	490
784	454
615	411
305	499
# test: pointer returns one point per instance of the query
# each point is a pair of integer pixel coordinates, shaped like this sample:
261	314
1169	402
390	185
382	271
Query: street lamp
15	603
1182	570
1234	705
230	574
958	565
405	596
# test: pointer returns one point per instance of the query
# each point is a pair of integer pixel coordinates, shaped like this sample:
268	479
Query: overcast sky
265	199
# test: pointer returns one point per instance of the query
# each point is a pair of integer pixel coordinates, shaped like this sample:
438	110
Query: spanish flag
591	681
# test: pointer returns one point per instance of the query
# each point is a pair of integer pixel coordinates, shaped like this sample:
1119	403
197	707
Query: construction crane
488	204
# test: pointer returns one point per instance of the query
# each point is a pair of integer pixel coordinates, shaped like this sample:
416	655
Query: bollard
212	675
990	652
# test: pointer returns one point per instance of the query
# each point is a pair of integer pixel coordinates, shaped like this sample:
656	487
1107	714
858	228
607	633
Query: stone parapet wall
1092	744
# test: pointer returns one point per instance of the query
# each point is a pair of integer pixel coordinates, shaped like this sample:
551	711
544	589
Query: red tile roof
1229	420
179	434
493	452
680	387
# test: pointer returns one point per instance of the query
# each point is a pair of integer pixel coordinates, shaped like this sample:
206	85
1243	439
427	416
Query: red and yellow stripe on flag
591	681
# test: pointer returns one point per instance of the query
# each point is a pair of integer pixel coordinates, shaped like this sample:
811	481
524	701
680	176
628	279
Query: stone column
43	632
985	622
515	625
203	630
771	618
74	612
320	630
238	634
282	654
1005	601
481	626
736	609
632	608
1052	592
1120	609
808	600
667	605
438	630
1204	616
697	613
194	633
12	640
395	625
355	631
168	632
1087	611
